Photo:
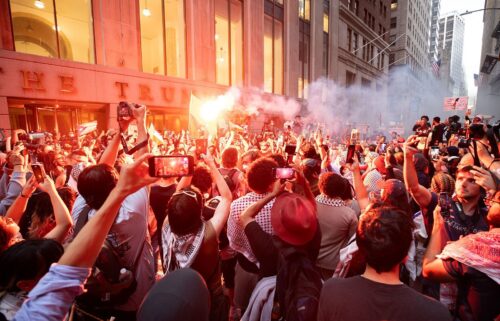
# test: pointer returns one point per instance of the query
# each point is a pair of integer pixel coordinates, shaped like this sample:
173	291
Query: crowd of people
356	228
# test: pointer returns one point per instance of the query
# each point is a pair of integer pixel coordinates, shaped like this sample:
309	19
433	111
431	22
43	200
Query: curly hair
260	175
230	157
202	179
335	186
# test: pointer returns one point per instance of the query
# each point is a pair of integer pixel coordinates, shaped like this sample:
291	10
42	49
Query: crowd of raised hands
227	225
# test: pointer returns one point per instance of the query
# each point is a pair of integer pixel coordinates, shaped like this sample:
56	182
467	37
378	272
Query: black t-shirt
482	298
360	299
158	199
458	224
263	248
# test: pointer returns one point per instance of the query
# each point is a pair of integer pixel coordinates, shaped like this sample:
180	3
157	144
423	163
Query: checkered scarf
181	251
325	200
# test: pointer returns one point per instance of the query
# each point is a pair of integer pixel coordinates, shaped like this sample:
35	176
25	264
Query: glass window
151	19
59	29
163	37
229	42
305	9
175	38
273	47
326	13
304	57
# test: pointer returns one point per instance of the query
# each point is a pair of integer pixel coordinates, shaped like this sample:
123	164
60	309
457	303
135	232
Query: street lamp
469	12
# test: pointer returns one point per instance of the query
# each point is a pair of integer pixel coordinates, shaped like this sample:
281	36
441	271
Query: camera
124	110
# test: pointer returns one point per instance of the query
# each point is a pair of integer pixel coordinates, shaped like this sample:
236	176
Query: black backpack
110	282
228	177
298	286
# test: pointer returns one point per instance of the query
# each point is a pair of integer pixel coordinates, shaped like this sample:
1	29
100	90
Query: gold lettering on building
145	93
168	94
67	84
32	81
121	86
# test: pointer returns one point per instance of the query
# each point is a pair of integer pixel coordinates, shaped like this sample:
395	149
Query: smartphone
284	173
444	202
350	154
38	171
434	153
290	149
171	166
201	146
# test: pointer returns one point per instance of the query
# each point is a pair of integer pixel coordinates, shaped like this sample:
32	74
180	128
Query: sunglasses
188	193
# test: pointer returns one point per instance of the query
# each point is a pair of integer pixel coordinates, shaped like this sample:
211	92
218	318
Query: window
229	42
391	59
365	50
326	42
349	39
392	39
394	5
366	82
350	78
394	22
355	42
356	7
273	46
304	56
163	40
305	9
58	29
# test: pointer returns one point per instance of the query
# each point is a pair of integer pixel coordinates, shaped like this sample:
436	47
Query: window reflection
36	31
163	37
273	47
229	42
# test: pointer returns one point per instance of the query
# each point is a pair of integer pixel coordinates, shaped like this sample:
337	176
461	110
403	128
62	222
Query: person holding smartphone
190	242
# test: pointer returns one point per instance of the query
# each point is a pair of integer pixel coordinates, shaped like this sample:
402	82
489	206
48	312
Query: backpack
298	286
110	282
228	177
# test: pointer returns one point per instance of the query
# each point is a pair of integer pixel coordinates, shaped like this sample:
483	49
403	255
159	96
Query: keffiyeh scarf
480	251
181	251
323	199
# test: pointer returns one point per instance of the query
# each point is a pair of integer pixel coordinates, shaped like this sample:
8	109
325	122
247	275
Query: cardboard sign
456	103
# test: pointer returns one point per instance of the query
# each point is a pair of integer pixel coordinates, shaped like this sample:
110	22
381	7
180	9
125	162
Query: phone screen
434	153
38	172
170	166
350	154
284	173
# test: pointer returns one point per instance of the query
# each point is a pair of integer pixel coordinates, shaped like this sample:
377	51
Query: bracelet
24	196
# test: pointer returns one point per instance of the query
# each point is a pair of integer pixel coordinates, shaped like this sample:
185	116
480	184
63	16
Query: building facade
65	62
488	95
363	55
410	34
434	34
451	46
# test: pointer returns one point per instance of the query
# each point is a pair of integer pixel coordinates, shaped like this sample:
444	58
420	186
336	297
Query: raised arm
222	211
111	152
419	193
142	133
83	251
433	267
16	210
248	215
359	187
63	219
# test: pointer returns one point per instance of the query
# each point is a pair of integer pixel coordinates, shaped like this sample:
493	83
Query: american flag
435	67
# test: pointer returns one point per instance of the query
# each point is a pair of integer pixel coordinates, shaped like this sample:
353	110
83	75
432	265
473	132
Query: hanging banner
456	103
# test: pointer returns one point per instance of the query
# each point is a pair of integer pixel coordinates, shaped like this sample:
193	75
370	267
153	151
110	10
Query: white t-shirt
129	236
